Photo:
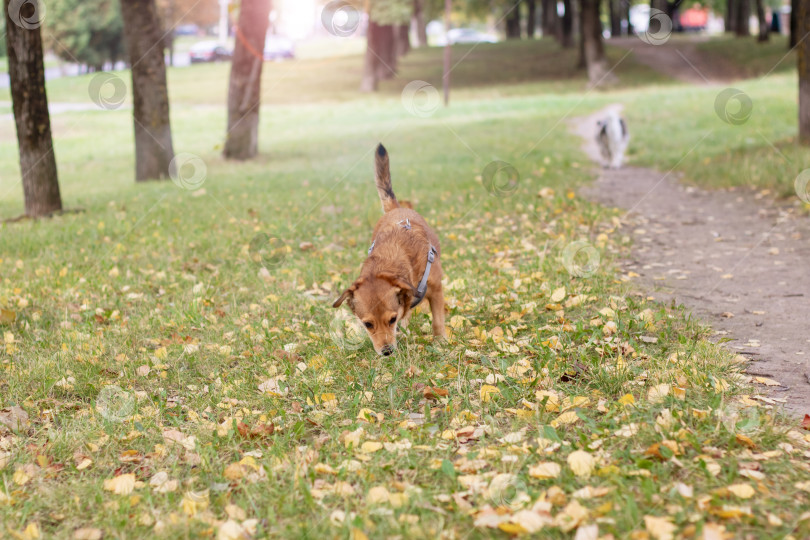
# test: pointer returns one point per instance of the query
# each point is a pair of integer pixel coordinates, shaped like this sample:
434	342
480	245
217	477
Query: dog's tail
382	178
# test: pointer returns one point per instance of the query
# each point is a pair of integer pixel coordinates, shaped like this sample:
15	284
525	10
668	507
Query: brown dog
402	268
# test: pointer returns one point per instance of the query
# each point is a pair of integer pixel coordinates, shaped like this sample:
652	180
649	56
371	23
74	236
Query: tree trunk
244	88
26	72
419	23
549	19
567	25
661	5
513	21
763	23
386	51
531	18
730	18
593	49
743	15
794	17
150	97
802	28
370	81
626	15
615	18
402	39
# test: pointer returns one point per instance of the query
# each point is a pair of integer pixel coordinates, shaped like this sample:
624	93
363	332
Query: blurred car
187	30
278	48
469	35
209	51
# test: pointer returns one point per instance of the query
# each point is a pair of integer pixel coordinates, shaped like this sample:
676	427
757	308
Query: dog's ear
348	293
406	290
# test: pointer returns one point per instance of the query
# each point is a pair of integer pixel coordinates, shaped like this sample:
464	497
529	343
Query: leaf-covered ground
171	365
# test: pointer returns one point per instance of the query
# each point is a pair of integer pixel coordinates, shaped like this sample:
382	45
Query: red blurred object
694	19
806	422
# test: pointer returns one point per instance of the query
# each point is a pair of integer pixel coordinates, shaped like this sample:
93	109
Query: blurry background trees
88	32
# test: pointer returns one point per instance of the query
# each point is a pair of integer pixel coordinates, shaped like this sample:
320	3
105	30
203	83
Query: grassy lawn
179	381
755	146
750	58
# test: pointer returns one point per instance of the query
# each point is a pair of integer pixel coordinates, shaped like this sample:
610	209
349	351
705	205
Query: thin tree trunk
402	39
566	25
626	15
419	22
743	15
730	18
370	80
513	21
26	72
550	23
531	18
802	27
244	88
386	52
794	17
150	97
593	47
615	18
763	23
661	5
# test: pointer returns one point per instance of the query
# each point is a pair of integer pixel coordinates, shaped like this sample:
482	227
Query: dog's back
613	138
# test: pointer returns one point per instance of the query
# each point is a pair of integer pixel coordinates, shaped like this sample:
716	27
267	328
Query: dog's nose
388	350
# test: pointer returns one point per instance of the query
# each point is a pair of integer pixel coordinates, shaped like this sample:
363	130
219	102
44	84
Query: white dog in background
613	138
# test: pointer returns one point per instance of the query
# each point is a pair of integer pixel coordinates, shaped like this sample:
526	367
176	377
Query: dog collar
421	289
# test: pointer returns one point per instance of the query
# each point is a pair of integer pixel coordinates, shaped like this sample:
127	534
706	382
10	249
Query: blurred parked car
469	35
278	48
187	30
209	51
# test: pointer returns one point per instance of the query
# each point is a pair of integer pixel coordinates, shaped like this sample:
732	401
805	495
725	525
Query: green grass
750	58
714	143
155	290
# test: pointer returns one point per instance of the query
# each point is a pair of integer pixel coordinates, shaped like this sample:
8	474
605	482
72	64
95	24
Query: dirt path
740	263
680	59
